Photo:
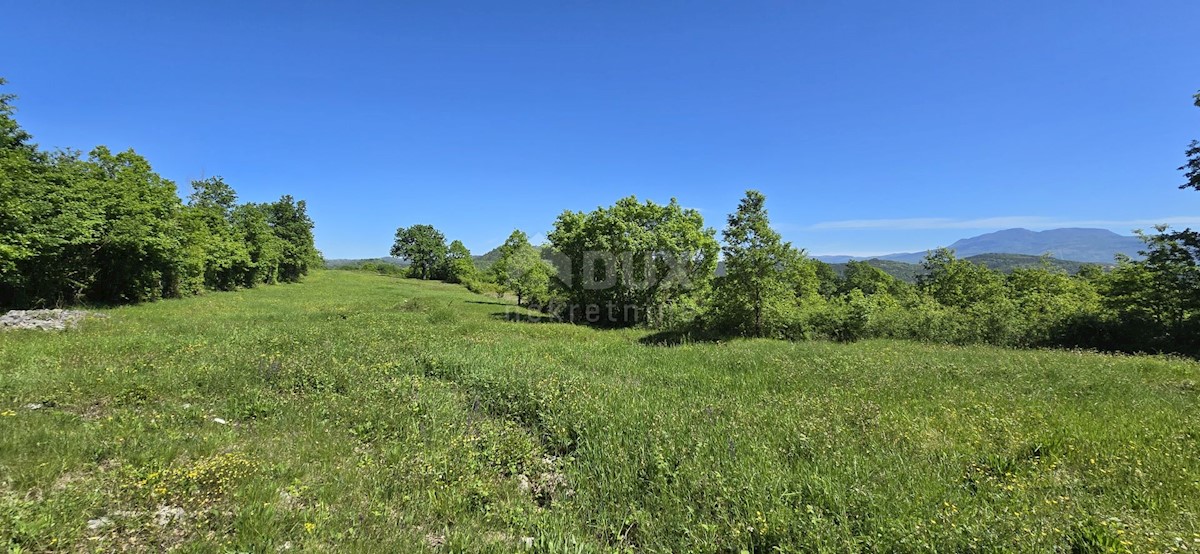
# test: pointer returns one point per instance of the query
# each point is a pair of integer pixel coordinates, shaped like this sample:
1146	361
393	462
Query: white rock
219	420
45	320
168	514
94	524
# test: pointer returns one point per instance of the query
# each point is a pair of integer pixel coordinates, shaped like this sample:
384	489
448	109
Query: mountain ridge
1076	244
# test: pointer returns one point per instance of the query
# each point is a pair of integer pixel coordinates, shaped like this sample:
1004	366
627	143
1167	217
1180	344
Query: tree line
105	228
642	263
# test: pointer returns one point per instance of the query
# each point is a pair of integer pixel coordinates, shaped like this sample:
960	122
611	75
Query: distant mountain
1004	263
1079	245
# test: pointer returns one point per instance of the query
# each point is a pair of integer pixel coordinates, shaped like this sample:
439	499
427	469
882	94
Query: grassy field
356	412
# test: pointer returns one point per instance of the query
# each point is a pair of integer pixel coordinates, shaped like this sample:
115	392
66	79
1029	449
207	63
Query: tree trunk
758	318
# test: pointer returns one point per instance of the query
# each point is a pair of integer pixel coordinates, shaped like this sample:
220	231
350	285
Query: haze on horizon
872	127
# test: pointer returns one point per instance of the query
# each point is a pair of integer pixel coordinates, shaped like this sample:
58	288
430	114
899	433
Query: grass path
365	413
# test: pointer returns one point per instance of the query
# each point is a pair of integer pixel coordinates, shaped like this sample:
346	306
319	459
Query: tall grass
371	413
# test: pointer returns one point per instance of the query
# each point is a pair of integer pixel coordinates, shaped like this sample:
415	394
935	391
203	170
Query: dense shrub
108	229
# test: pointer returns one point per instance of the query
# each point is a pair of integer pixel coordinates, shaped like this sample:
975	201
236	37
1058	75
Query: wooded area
105	228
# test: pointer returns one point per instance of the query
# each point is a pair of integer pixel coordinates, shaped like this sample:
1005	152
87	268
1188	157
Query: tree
460	266
827	278
215	246
22	183
289	222
868	279
424	247
266	250
958	283
758	289
63	220
1191	169
107	228
521	269
137	250
632	262
1159	294
1162	291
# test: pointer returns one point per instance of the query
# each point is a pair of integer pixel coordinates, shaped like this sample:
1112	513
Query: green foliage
633	262
425	249
870	280
902	271
1191	169
958	283
827	278
1004	263
1007	263
219	249
290	222
381	267
521	270
1157	299
108	229
764	276
460	267
265	249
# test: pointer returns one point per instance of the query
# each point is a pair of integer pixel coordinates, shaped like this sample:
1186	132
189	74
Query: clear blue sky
871	126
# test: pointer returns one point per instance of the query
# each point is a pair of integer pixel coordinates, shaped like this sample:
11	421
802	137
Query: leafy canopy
424	247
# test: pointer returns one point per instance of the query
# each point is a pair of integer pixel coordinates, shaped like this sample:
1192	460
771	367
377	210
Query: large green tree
424	247
631	262
759	290
138	245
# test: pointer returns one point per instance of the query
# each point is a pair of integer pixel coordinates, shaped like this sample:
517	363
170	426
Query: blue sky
872	127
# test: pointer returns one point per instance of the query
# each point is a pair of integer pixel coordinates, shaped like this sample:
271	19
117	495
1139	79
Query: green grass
366	413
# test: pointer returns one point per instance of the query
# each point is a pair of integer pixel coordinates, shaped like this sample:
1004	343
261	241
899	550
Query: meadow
359	412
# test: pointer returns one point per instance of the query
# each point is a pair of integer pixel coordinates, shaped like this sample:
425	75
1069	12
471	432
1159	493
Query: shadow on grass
661	338
492	303
525	318
680	338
